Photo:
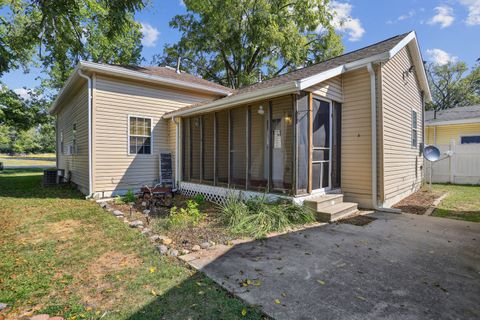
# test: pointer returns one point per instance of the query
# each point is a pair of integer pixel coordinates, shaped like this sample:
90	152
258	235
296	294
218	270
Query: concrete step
323	201
337	211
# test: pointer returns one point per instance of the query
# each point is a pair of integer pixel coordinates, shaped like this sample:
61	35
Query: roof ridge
329	59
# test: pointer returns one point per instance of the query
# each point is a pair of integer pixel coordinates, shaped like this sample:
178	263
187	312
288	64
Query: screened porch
287	145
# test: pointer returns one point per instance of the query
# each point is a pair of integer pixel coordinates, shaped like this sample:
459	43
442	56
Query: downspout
90	171
373	99
177	151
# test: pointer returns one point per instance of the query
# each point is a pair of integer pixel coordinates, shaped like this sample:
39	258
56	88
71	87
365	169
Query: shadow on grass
27	183
197	298
471	216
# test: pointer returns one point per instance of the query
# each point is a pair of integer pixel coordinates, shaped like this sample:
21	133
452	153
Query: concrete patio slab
397	267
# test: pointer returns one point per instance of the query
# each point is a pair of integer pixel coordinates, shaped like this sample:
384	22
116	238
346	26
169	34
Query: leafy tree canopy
57	34
231	41
452	85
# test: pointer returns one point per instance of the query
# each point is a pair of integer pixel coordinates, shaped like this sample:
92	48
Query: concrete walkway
397	267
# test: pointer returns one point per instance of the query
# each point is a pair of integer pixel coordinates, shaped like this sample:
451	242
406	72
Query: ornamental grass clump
256	217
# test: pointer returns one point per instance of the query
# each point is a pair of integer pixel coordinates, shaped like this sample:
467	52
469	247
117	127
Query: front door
322	145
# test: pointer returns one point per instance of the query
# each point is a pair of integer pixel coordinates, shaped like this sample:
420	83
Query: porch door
322	142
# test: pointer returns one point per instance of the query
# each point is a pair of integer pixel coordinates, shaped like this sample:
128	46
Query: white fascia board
430	123
67	85
223	103
116	71
313	80
423	74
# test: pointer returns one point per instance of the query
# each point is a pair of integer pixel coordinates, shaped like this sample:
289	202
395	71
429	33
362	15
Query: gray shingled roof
168	72
458	113
363	53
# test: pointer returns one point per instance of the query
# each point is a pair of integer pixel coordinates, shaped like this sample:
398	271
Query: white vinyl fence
459	164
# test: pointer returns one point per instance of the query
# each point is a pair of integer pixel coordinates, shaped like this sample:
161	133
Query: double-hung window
139	135
414	129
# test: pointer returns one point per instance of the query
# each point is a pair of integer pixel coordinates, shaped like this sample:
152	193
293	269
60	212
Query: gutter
287	88
90	172
373	99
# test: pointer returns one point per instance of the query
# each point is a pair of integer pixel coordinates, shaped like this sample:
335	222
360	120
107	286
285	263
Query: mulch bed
358	220
210	228
418	202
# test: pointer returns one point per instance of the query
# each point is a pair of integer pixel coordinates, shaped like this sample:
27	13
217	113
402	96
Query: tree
20	113
57	34
452	87
231	42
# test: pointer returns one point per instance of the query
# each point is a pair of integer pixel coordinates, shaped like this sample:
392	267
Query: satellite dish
431	153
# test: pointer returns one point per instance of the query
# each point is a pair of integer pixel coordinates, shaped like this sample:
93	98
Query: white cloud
150	35
440	57
444	16
406	16
23	93
343	22
181	3
473	7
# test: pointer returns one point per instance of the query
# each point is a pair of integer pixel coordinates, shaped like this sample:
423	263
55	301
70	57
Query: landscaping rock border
161	242
435	203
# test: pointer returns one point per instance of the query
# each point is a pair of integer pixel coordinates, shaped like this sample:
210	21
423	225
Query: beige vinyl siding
115	100
356	138
445	133
330	89
75	110
401	94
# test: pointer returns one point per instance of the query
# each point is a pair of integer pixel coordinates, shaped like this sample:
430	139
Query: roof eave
287	88
130	74
449	122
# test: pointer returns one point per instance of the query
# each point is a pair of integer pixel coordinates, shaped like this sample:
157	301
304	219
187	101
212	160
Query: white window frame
414	129
467	135
151	136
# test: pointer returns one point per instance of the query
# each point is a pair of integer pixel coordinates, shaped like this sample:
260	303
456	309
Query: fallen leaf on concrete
361	298
321	282
277	301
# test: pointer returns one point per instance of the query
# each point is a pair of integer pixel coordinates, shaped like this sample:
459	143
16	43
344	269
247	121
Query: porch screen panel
222	147
207	154
281	133
258	147
195	147
321	141
186	149
238	118
336	144
302	144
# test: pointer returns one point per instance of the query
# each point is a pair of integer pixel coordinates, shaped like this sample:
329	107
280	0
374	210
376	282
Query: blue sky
447	30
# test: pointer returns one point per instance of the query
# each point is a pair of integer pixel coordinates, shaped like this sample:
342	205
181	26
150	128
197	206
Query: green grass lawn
63	255
462	202
31	160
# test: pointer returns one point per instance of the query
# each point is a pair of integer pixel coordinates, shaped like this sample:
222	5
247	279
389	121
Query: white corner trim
90	143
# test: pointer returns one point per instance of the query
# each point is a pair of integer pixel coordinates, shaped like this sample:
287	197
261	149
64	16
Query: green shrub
199	198
119	200
185	217
129	196
257	217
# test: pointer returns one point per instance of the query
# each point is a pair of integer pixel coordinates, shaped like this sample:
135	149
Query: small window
62	146
140	135
414	129
470	139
